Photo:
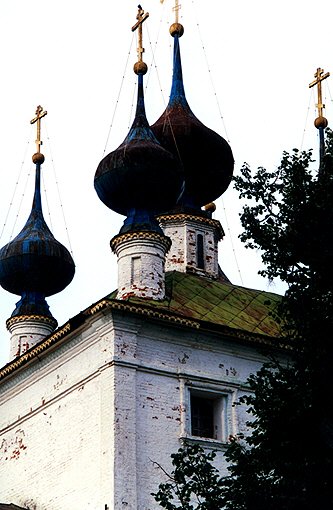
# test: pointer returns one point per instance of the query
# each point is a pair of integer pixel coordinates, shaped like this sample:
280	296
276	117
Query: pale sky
250	84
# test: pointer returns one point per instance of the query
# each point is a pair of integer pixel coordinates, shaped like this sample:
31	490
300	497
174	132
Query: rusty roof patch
218	303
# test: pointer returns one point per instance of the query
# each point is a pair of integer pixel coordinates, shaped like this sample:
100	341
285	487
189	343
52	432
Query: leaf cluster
194	482
287	215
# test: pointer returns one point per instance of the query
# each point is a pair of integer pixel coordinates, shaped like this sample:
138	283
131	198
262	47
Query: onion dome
140	175
206	157
35	265
141	178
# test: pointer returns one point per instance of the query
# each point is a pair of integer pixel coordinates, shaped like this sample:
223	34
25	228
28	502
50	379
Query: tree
286	461
193	483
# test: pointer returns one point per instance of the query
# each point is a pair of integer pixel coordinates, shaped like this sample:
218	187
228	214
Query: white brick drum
27	332
183	230
141	264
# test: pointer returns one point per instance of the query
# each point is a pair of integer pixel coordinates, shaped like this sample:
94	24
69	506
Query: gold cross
141	17
176	10
40	113
319	77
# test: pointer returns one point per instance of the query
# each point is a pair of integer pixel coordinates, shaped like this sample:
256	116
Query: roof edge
137	309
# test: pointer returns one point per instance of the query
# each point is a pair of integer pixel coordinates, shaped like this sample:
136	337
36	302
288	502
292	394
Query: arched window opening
200	252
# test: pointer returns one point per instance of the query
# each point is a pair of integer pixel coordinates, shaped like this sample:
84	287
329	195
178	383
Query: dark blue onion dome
206	157
35	265
141	178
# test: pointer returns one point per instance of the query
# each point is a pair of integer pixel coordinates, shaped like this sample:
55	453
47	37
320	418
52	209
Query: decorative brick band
145	311
191	217
148	312
32	353
67	328
36	318
133	236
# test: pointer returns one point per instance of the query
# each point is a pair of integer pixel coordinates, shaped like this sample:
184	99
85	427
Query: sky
246	65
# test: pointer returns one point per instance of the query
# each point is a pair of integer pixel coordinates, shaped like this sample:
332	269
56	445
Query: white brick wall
182	256
141	266
82	427
27	333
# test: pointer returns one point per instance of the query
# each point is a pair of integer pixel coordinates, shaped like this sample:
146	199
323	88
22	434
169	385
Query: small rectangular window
202	417
200	252
136	270
207	414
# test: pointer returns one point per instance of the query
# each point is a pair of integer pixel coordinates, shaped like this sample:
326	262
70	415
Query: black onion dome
35	264
140	174
206	157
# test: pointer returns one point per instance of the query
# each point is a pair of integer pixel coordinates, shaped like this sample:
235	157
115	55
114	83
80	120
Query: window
202	417
135	270
207	414
200	252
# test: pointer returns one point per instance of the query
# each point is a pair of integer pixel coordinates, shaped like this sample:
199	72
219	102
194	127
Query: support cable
130	119
306	118
232	242
153	50
58	192
329	93
165	104
227	137
21	202
154	64
117	101
15	187
210	74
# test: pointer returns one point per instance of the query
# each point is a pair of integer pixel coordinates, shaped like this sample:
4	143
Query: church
91	409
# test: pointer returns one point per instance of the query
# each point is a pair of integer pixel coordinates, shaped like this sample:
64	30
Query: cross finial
141	17
321	121
40	113
176	8
319	77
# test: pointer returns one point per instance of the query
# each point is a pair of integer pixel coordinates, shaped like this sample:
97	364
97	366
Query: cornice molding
143	310
32	318
183	217
140	236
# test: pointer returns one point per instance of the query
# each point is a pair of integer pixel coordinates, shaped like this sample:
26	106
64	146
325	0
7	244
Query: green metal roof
190	300
218	304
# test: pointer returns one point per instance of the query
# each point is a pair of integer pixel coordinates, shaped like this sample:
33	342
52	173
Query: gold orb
321	122
140	68
176	29
38	158
211	207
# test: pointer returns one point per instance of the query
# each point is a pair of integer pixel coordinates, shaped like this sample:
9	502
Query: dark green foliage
194	482
286	461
